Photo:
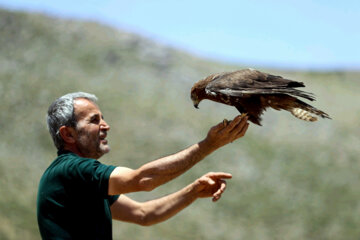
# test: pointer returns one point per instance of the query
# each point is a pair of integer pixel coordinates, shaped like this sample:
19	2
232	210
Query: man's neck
73	149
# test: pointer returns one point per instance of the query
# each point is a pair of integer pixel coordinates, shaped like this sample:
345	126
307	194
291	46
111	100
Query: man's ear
68	134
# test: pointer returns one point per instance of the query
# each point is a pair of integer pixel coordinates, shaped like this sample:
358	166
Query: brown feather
252	92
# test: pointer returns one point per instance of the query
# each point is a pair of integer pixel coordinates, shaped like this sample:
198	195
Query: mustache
103	134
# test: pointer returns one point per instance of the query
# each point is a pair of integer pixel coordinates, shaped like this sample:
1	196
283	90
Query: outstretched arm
155	211
158	172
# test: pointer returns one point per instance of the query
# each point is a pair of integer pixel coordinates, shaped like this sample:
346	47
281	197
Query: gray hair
61	113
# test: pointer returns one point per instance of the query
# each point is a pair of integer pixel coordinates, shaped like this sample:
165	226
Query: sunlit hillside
291	179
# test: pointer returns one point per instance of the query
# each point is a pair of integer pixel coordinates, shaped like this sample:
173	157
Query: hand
227	132
211	185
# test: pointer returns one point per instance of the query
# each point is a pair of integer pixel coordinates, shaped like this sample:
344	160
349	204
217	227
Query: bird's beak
196	104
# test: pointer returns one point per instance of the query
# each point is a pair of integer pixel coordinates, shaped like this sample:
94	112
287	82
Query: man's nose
104	125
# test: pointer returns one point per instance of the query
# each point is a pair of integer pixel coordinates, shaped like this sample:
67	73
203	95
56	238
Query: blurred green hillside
291	179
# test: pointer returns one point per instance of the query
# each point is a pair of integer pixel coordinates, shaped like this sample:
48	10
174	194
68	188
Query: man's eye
95	120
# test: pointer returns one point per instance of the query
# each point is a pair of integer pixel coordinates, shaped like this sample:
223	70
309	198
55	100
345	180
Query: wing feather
244	82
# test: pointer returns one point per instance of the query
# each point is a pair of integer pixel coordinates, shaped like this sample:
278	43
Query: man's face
91	129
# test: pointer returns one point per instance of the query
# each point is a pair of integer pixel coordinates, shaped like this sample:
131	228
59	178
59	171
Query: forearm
155	173
209	185
161	209
151	212
158	172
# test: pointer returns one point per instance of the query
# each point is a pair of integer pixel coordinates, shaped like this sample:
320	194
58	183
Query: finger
240	130
234	122
214	199
243	131
219	192
222	185
218	175
238	123
218	127
221	189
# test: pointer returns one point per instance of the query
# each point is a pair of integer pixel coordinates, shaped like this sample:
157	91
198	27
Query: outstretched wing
246	82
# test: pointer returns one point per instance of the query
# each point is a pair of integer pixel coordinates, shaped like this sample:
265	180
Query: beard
91	146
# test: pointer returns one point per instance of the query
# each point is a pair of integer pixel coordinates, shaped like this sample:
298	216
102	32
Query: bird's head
198	92
194	97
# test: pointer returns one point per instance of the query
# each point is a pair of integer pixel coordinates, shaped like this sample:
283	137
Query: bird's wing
244	82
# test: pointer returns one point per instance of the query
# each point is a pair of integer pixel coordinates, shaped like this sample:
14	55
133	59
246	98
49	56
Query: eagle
251	92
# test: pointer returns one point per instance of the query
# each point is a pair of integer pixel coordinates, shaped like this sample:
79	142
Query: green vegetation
292	179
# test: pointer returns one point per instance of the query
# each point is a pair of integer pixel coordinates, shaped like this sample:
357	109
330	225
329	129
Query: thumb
207	181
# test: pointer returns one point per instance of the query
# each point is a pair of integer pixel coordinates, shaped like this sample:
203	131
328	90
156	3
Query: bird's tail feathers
303	114
304	111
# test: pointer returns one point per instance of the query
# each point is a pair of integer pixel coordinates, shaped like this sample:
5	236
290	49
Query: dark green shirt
73	200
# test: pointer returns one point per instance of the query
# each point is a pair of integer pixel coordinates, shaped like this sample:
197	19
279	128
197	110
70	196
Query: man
79	196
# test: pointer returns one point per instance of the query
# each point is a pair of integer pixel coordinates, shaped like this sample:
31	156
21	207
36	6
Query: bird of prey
252	91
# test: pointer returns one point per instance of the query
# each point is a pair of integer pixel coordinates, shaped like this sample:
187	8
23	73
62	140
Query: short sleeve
112	199
93	173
